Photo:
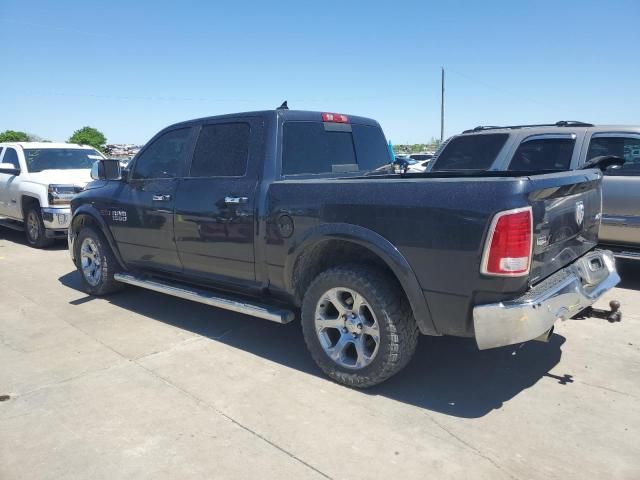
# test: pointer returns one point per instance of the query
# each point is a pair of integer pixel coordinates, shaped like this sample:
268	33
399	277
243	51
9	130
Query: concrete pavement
141	385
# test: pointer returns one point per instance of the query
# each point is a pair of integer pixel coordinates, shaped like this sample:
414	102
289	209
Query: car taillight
335	118
508	249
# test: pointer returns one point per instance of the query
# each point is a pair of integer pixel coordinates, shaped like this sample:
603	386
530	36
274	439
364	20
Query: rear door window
543	154
317	148
470	152
620	146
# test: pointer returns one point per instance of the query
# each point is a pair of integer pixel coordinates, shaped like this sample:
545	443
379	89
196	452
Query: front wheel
34	228
358	325
96	262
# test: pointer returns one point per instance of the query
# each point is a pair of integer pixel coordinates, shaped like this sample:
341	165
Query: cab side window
222	150
164	158
626	147
11	156
543	154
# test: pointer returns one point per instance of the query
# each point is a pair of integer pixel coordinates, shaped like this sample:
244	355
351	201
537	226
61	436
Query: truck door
215	202
620	187
141	215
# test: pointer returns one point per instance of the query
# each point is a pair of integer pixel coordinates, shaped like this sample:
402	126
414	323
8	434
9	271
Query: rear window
543	154
316	148
470	152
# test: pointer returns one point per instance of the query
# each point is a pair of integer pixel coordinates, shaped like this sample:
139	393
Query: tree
13	136
89	136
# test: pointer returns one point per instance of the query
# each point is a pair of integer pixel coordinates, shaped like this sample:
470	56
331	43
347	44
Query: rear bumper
561	296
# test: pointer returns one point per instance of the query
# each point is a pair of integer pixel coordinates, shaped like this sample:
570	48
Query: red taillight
508	249
335	118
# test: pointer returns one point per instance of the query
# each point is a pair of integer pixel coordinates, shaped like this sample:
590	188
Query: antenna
284	106
442	108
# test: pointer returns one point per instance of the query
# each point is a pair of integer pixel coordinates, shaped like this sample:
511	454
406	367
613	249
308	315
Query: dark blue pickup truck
279	213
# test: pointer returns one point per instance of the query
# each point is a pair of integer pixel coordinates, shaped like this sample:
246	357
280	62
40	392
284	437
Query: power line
503	90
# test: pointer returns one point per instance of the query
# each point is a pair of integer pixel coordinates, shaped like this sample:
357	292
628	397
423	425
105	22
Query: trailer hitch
612	316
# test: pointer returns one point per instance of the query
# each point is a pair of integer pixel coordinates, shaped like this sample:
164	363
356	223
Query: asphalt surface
142	385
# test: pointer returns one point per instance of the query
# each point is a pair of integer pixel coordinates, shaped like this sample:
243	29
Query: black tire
34	228
108	265
397	327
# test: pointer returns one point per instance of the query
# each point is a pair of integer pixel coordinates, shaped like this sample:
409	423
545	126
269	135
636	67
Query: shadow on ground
448	375
629	271
19	238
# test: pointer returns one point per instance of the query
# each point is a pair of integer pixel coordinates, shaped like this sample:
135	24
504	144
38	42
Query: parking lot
145	385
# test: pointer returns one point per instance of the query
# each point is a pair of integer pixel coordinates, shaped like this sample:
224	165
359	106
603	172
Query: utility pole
442	108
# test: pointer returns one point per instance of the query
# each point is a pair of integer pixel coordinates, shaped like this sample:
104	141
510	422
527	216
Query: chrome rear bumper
561	296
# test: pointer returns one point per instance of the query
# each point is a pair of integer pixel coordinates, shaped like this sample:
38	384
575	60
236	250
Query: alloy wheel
90	260
347	328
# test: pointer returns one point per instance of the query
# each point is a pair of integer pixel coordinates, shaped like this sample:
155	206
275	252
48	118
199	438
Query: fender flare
379	246
92	212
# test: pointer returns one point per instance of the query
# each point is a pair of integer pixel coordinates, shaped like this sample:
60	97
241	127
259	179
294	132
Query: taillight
335	118
508	249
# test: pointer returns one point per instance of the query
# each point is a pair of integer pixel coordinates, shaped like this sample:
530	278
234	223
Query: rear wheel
358	326
34	228
96	262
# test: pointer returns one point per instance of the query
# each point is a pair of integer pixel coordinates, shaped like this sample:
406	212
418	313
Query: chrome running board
267	312
627	254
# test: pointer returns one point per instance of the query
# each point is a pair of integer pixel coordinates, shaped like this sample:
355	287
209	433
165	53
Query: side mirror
604	161
106	170
9	168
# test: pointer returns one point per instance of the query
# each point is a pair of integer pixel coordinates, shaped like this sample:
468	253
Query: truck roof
43	145
300	115
558	127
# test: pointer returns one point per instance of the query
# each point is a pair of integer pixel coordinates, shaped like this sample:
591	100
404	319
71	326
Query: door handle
161	198
235	200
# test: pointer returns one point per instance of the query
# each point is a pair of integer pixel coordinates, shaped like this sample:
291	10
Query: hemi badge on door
579	212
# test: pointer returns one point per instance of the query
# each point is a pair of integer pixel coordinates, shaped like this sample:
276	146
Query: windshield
39	159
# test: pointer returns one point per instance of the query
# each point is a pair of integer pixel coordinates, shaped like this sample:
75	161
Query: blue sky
130	68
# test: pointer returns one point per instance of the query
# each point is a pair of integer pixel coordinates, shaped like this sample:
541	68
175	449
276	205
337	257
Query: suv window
470	152
626	147
164	158
313	148
11	156
543	154
420	157
221	151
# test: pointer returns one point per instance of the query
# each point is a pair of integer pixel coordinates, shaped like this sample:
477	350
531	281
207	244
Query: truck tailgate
566	219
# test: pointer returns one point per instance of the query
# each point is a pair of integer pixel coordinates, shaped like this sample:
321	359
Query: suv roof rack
561	123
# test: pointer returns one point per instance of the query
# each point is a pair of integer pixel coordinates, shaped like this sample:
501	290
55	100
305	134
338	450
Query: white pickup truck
37	182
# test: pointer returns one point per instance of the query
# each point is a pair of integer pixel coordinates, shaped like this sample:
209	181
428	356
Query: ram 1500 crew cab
278	212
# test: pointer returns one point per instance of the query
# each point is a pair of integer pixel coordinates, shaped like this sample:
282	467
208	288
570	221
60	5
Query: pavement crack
69	379
471	447
234	421
195	338
601	387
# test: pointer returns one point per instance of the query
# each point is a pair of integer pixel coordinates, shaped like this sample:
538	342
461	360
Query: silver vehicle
565	145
